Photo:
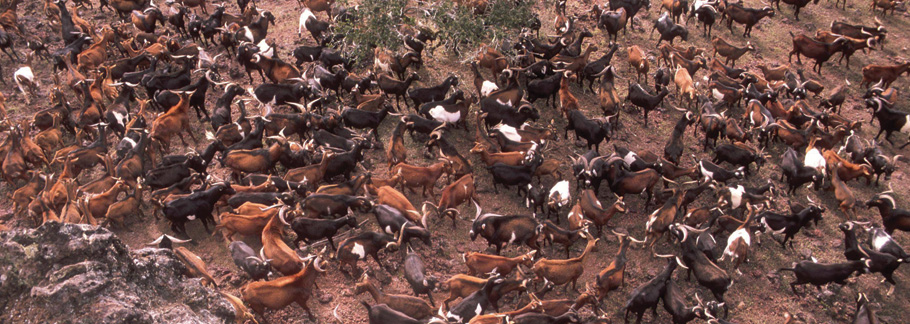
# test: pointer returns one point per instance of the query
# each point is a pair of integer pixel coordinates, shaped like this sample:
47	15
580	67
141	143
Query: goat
648	294
790	224
397	88
478	263
474	304
281	292
382	313
410	306
593	131
415	273
797	5
593	210
736	12
729	51
199	204
247	260
641	98
561	272
461	286
500	230
893	218
818	274
639	62
885	5
669	30
707	273
884	74
315	26
860	32
715	172
426	177
811	48
889	119
613	276
453	195
423	95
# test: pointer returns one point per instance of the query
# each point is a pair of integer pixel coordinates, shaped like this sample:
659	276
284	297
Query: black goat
641	98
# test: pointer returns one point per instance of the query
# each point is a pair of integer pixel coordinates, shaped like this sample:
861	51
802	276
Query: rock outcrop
64	273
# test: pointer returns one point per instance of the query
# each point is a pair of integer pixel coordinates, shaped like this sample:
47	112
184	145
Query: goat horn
335	314
281	213
423	219
316	263
618	234
635	240
810	200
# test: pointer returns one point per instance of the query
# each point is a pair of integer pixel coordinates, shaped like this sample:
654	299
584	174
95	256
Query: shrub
375	24
460	26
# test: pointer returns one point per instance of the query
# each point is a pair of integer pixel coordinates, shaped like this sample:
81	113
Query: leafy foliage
375	24
463	26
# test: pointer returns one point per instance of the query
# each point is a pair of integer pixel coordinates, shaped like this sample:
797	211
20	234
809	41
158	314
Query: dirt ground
758	295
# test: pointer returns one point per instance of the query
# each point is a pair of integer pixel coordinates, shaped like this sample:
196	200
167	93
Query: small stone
325	298
773	276
382	277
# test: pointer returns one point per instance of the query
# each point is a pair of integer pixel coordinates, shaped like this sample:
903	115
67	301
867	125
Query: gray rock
50	273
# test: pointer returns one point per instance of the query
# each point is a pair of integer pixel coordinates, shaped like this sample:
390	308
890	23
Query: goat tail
786	269
791	34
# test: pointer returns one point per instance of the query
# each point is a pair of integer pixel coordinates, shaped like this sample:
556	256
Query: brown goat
99	204
567	101
847	170
415	176
614	275
885	5
639	62
774	73
283	257
453	195
194	265
174	121
493	60
130	205
96	54
23	195
730	52
310	175
593	210
409	305
561	272
886	74
249	219
462	285
389	196
256	160
281	292
397	152
489	158
685	86
241	312
479	263
845	197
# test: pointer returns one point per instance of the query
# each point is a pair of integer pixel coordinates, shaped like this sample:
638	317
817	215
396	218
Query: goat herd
295	142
